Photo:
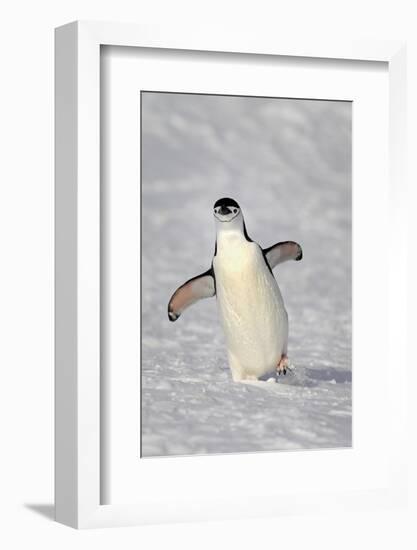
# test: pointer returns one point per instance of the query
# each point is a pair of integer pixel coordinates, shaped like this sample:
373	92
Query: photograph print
246	283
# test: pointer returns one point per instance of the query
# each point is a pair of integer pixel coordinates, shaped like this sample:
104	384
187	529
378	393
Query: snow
288	164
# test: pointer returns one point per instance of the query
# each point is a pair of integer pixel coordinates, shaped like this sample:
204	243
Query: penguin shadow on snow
329	374
306	377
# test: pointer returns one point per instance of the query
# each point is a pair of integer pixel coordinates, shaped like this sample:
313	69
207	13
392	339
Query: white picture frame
78	450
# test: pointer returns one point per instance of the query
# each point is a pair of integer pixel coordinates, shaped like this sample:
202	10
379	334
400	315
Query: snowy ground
287	163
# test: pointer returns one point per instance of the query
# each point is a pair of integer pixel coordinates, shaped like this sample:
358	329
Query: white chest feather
251	308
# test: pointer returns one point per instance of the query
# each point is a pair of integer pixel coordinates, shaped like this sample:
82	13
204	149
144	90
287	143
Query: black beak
224	210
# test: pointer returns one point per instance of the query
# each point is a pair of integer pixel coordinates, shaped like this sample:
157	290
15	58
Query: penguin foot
282	366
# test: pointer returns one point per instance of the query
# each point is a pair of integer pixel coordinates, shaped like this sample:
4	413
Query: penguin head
225	210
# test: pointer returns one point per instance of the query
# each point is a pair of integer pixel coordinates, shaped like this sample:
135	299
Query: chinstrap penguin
250	304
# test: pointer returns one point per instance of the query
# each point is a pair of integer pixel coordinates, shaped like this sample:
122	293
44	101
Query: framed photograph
289	161
226	310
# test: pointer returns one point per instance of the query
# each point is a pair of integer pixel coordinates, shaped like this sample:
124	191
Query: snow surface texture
288	164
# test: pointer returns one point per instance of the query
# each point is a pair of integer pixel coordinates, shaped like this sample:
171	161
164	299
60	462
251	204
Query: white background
26	301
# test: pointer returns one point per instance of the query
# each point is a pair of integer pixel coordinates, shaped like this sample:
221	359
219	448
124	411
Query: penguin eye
235	210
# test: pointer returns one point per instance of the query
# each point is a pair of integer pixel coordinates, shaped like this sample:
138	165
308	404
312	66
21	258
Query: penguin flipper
281	252
197	288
